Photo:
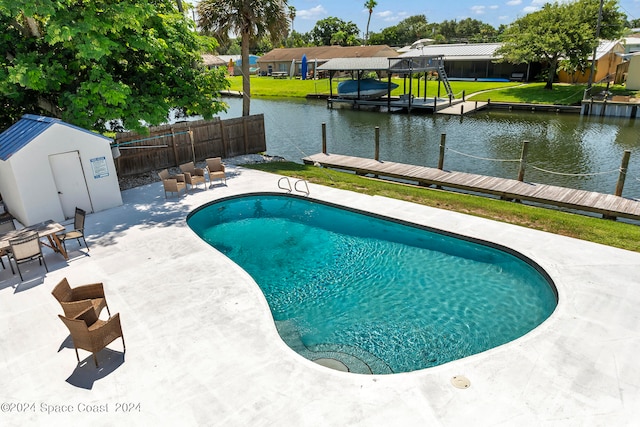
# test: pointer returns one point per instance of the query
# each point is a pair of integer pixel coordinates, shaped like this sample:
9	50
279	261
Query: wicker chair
6	225
216	170
172	183
92	334
26	248
76	300
78	229
193	176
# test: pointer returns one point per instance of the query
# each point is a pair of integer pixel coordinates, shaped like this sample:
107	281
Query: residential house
283	60
609	55
472	61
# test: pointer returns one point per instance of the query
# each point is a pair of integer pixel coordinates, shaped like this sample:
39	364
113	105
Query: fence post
225	141
623	172
377	151
324	138
245	131
443	140
193	150
523	160
175	150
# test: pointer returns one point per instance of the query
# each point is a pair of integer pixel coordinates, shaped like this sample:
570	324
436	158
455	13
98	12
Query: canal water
567	150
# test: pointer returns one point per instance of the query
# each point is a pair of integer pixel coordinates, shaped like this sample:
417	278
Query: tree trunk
246	83
552	74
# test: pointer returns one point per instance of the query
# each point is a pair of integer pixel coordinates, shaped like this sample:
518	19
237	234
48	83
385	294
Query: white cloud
493	7
514	2
478	10
530	9
384	14
314	13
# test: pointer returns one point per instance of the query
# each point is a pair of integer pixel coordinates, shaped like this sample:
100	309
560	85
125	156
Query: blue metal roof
26	130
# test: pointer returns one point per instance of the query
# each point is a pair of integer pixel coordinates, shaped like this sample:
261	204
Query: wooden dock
608	205
461	108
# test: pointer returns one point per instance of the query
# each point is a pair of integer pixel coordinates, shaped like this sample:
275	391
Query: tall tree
292	15
560	31
102	63
324	30
369	4
251	19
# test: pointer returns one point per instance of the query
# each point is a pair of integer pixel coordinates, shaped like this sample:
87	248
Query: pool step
355	359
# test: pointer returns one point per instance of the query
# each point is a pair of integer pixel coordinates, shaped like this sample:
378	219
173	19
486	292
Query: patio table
48	229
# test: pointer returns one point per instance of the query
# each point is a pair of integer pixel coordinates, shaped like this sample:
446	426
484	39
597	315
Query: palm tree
369	4
252	20
292	15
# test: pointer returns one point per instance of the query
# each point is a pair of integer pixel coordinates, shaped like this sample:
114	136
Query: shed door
70	182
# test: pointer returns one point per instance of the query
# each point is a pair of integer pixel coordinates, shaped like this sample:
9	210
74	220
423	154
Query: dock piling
443	141
324	138
377	151
623	172
523	160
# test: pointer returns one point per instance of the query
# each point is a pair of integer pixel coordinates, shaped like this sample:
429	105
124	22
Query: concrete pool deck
202	348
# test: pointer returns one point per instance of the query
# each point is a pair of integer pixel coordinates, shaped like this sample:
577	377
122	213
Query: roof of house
458	51
607	46
27	129
212	60
324	53
486	51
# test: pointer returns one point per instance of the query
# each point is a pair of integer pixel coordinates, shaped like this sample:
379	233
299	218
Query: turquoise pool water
376	295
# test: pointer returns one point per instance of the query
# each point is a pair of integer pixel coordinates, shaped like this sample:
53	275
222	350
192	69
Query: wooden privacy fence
172	145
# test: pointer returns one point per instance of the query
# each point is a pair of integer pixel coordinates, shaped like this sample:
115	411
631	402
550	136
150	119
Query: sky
390	12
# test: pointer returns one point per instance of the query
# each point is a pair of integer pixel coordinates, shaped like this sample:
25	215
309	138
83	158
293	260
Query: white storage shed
49	167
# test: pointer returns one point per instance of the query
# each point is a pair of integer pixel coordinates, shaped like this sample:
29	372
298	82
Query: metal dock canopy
404	65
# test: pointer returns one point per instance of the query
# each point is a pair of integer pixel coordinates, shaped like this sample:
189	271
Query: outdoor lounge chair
76	300
78	229
216	170
6	225
172	183
92	334
26	248
193	176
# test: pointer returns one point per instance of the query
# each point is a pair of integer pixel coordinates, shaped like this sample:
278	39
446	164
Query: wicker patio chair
172	183
78	230
74	301
26	248
6	225
216	170
92	334
193	175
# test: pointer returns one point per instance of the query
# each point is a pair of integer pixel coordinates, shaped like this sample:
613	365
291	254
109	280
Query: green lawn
530	93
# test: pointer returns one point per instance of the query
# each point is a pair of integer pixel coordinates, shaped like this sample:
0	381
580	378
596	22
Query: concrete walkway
202	348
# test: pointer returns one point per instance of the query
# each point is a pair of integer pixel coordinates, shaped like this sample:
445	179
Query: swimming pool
371	295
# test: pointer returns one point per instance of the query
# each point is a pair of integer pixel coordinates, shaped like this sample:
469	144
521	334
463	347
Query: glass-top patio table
48	229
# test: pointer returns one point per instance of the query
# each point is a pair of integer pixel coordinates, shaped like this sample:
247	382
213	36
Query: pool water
378	296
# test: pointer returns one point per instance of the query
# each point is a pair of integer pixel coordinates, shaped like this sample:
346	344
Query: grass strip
607	232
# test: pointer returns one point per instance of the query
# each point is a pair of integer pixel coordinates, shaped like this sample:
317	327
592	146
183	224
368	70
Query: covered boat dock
406	67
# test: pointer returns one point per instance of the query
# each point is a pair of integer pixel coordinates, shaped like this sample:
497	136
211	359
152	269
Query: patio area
202	348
